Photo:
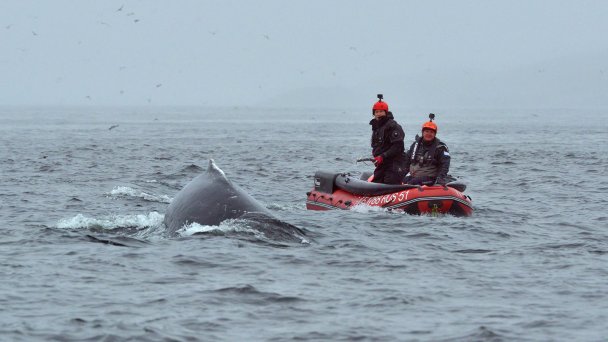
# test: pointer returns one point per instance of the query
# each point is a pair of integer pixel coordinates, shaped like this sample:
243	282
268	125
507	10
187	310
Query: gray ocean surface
84	254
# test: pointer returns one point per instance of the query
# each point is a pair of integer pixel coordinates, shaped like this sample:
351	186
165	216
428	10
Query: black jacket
387	139
434	155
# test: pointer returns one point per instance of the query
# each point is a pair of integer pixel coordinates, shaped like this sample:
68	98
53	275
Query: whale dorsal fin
216	171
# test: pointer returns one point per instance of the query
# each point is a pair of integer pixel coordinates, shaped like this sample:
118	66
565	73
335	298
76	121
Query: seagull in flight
112	127
120	9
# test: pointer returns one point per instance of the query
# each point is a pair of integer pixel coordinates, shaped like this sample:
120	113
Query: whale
211	198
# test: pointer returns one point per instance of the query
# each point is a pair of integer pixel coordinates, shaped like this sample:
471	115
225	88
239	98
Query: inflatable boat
343	191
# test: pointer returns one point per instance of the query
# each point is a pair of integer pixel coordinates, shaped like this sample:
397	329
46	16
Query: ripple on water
251	295
482	333
535	246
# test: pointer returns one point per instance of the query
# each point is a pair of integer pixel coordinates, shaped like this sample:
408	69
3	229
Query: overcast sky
304	53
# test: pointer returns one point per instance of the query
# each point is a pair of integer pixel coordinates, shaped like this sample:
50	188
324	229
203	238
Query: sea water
84	253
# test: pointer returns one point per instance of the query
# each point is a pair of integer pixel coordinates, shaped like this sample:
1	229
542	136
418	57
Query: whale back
209	199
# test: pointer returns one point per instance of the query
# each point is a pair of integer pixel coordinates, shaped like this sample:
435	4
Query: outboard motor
325	181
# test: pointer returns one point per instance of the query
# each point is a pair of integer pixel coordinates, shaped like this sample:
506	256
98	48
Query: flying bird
34	33
136	21
159	85
267	37
112	127
120	9
8	26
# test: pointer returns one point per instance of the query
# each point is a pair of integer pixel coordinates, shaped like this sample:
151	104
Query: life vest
422	160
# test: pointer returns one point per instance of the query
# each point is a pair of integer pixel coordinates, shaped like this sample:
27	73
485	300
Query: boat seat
364	188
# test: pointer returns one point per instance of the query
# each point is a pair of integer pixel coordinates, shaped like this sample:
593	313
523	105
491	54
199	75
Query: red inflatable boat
343	191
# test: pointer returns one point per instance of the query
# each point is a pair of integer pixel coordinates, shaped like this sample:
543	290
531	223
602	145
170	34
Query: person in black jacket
428	159
387	145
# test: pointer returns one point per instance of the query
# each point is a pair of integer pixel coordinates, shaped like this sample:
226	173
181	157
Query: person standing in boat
428	159
387	145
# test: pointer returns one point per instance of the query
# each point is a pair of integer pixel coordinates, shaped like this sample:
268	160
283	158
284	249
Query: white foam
282	206
153	219
121	191
364	208
238	226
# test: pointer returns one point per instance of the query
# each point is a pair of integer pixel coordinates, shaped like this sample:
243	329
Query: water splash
140	226
152	219
271	230
364	208
225	227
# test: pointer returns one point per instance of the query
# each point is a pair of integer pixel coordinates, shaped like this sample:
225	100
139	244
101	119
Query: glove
440	181
378	160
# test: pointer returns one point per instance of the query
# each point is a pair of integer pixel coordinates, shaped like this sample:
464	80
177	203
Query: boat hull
417	201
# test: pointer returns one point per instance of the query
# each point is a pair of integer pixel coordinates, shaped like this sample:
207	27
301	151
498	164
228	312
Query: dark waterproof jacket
387	141
428	159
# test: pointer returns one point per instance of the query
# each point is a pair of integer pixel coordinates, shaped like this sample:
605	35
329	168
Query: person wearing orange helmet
428	159
387	145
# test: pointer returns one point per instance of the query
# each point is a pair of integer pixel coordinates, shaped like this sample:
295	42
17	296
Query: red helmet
429	125
380	106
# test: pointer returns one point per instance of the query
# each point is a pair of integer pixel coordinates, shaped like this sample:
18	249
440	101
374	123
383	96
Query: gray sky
304	53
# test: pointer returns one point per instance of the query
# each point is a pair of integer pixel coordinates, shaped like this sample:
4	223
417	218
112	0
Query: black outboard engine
325	181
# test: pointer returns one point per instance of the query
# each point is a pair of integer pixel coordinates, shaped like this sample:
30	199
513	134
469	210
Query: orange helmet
429	125
380	106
